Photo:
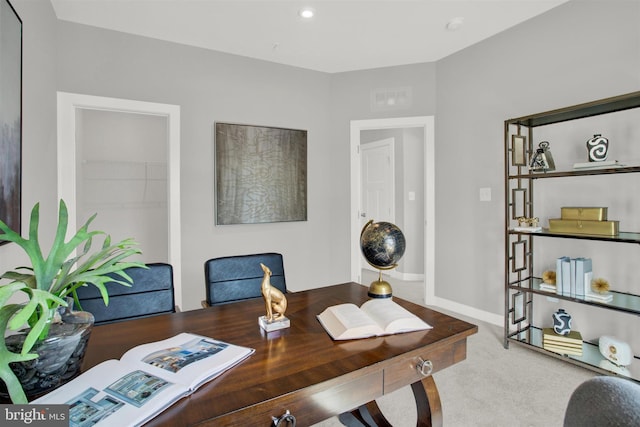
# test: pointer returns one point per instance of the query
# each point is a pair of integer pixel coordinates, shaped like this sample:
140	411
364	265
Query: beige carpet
493	387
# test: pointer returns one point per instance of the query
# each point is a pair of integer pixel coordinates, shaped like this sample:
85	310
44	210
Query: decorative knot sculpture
531	222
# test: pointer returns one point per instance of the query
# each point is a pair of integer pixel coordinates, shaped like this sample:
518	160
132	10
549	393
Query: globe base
380	289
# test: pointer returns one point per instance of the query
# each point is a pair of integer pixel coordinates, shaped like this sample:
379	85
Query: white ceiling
344	35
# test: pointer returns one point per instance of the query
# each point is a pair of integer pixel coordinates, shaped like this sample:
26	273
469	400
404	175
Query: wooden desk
300	369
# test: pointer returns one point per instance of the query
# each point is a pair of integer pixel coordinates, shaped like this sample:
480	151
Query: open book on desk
374	318
146	380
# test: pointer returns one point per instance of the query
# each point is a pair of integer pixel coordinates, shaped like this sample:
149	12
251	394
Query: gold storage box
607	228
584	213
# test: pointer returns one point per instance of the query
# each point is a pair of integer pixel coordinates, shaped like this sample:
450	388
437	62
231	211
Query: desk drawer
310	405
403	370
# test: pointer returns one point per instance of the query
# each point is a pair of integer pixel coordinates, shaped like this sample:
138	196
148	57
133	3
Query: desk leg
428	405
428	402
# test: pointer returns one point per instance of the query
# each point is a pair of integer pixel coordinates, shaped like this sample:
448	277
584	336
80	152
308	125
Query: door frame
427	125
68	104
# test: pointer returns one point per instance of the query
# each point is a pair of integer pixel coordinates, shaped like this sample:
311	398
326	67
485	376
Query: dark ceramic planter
60	355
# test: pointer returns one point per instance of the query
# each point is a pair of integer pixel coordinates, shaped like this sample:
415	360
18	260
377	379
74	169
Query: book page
347	321
186	358
147	379
112	394
392	317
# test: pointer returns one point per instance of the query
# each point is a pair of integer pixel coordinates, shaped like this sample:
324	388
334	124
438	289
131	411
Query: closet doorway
120	159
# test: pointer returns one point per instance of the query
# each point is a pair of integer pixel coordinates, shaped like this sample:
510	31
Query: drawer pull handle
424	367
287	419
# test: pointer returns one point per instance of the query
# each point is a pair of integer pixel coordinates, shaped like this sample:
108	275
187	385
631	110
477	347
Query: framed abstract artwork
10	116
261	174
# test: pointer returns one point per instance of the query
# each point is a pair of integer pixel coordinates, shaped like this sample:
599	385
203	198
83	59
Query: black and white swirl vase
561	322
598	148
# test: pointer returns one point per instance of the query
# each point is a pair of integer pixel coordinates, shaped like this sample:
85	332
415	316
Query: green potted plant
49	281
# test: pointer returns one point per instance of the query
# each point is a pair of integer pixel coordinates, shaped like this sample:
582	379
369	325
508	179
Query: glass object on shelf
621	301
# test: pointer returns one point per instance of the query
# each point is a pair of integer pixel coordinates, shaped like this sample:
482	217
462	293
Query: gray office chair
151	294
236	278
604	401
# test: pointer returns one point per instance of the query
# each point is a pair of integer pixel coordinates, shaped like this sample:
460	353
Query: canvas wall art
261	174
10	116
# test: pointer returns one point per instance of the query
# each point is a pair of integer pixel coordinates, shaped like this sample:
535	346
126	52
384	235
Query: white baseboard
411	277
466	310
395	274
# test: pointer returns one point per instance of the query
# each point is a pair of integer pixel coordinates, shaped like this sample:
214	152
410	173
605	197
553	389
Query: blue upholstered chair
235	278
151	294
604	401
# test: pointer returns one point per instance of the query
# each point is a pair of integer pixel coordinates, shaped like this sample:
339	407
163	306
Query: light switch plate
485	194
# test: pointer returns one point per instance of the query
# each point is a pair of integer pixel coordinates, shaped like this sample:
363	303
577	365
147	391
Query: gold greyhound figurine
275	301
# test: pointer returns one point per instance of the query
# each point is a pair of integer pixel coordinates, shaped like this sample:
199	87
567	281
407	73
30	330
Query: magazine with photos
146	380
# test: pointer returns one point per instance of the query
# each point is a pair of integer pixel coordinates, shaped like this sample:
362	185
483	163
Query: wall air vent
386	99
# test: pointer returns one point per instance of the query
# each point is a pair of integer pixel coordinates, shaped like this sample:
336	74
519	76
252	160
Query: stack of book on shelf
573	276
573	279
570	344
584	220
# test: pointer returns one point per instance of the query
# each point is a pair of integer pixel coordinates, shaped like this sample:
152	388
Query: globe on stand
382	245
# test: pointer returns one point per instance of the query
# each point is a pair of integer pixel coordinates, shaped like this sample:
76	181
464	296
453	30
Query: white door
378	183
377	180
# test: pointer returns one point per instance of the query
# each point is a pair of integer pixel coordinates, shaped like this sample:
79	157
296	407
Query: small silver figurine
542	160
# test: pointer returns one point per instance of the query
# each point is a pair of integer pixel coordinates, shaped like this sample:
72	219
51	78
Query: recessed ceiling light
307	12
455	23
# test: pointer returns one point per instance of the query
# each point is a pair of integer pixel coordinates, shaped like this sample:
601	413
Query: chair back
235	278
604	401
151	294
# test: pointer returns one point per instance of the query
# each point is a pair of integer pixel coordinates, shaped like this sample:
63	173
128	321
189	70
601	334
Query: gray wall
351	100
210	87
578	52
413	212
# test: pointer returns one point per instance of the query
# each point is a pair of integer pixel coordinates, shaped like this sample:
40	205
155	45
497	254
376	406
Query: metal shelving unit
520	283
